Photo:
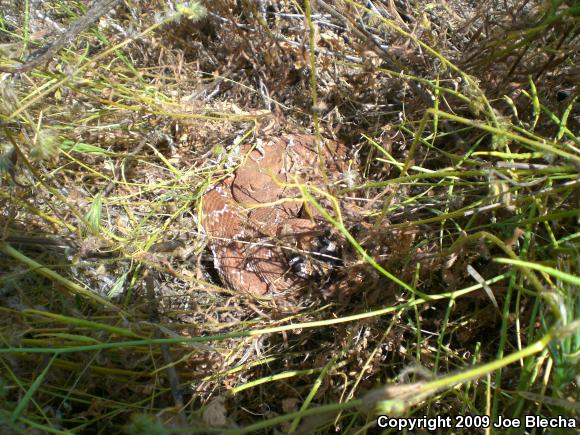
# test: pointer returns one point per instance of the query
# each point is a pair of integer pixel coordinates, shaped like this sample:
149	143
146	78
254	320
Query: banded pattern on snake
258	226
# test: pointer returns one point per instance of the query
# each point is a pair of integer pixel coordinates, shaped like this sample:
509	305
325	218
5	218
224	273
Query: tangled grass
458	290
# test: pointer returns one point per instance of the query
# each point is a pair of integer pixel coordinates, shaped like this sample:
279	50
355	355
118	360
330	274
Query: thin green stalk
273	378
566	277
467	78
369	259
550	148
318	383
252	333
89	324
324	409
53	276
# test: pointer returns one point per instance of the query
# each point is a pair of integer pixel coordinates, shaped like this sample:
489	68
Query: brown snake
256	221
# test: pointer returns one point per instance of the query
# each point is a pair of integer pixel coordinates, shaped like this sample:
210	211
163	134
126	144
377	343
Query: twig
98	9
167	359
382	51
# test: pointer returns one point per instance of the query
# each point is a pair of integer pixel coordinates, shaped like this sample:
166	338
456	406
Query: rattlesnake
258	227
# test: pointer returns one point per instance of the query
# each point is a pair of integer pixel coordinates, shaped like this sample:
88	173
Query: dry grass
458	292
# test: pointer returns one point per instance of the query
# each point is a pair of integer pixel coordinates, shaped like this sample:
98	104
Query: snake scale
259	228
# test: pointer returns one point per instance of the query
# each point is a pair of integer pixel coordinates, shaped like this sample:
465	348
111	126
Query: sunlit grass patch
457	289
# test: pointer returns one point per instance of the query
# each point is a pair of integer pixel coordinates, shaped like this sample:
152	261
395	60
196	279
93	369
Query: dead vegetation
457	291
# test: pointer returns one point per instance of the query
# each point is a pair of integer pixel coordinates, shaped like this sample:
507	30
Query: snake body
257	225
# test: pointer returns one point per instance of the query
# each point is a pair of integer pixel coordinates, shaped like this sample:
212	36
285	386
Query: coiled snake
259	229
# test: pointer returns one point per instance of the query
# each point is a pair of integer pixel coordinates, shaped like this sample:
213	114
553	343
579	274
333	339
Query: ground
456	292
